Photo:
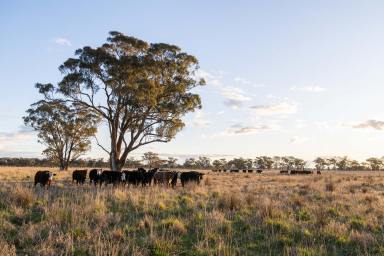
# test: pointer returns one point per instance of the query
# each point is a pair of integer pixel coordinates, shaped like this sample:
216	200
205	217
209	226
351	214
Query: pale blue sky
296	78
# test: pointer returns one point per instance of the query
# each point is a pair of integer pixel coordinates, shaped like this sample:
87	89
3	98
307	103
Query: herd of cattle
237	170
142	177
292	172
136	178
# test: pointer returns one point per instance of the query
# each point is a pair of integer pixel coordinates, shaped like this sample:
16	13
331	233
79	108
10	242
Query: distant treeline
44	162
151	159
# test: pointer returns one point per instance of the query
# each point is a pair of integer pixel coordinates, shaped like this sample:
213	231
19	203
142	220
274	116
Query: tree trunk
62	165
112	161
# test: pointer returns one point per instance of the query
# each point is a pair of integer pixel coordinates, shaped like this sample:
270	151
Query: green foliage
62	128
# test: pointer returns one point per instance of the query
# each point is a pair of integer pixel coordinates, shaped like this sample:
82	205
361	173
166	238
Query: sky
301	78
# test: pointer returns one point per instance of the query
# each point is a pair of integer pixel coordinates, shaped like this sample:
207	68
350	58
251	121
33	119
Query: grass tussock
227	214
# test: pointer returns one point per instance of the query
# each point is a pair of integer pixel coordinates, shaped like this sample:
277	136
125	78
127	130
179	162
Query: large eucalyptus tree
140	90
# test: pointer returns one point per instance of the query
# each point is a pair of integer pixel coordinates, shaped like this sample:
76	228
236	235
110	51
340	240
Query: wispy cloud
63	41
240	129
200	120
234	97
310	88
9	139
373	124
284	107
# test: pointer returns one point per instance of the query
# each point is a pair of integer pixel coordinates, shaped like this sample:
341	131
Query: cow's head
50	175
99	172
123	176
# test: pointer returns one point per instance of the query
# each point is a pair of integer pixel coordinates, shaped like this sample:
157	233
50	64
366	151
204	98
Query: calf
44	178
193	176
79	176
95	176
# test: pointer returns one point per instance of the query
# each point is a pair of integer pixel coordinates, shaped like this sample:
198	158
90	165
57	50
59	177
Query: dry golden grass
337	213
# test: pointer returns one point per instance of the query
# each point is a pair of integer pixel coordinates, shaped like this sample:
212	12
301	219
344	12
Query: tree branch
101	146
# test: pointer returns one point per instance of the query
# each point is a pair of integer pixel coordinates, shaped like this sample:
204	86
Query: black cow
293	172
174	179
95	176
259	170
193	176
318	172
244	170
165	177
250	170
79	176
44	178
234	170
111	177
284	172
148	177
134	177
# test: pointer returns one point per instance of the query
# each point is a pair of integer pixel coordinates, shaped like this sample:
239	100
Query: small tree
332	162
238	163
152	159
190	163
320	163
375	163
172	162
203	162
264	162
277	162
63	129
299	163
219	163
342	163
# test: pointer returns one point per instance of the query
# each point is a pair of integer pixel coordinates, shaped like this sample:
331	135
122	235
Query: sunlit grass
230	214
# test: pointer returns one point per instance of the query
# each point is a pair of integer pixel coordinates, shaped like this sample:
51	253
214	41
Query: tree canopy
63	129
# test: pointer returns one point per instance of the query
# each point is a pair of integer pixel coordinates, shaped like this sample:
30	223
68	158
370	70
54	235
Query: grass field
336	213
